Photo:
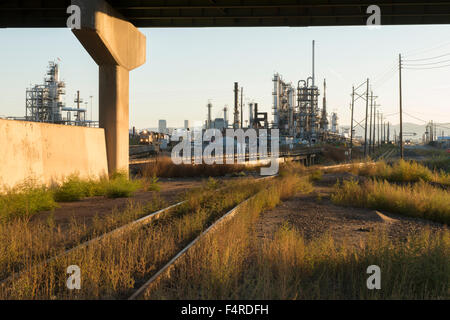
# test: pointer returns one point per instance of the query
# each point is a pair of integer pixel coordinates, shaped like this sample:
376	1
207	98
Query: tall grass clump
293	268
438	163
24	200
74	189
316	175
403	172
419	200
117	186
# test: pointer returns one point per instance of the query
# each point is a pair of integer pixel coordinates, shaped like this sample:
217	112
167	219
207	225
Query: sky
186	68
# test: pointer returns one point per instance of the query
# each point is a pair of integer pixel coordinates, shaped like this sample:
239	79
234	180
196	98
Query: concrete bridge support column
117	47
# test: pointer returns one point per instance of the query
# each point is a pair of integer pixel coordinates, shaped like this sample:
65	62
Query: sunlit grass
403	172
419	200
117	186
30	197
25	200
316	175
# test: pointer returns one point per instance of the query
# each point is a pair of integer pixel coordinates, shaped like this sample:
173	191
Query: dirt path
314	215
172	191
86	209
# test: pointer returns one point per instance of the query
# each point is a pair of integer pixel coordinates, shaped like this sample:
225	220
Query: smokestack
209	116
225	116
250	115
313	66
324	119
236	106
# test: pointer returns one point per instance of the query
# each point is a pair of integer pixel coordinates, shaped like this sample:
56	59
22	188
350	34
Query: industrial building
44	102
296	112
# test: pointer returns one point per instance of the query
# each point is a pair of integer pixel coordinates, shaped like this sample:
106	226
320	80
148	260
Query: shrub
118	186
316	175
72	189
25	199
151	184
121	187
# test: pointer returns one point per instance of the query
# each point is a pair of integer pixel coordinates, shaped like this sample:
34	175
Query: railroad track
146	220
166	268
215	226
118	231
113	233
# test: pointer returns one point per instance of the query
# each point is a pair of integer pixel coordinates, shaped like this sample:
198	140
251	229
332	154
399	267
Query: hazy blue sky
187	67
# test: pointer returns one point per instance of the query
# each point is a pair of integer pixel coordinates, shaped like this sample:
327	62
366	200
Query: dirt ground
172	191
86	209
314	215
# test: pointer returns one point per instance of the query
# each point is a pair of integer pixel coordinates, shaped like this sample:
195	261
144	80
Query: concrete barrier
49	152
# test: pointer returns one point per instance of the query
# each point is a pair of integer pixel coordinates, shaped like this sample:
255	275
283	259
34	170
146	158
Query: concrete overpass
110	35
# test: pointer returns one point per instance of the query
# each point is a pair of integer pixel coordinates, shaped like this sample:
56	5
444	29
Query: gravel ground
314	215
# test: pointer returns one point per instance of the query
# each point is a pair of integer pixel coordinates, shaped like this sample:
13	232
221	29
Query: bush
72	189
118	186
316	175
121	187
25	200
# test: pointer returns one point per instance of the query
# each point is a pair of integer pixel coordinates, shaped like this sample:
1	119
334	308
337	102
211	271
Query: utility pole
378	127
91	107
351	125
389	133
367	116
374	127
400	97
370	124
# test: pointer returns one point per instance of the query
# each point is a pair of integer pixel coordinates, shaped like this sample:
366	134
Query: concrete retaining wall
49	152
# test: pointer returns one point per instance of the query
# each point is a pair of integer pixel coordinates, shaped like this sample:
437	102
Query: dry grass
30	197
234	264
163	167
24	243
439	162
419	200
403	172
113	266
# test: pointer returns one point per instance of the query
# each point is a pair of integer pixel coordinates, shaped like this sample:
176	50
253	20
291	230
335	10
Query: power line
426	49
425	64
432	58
385	80
427	68
387	71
